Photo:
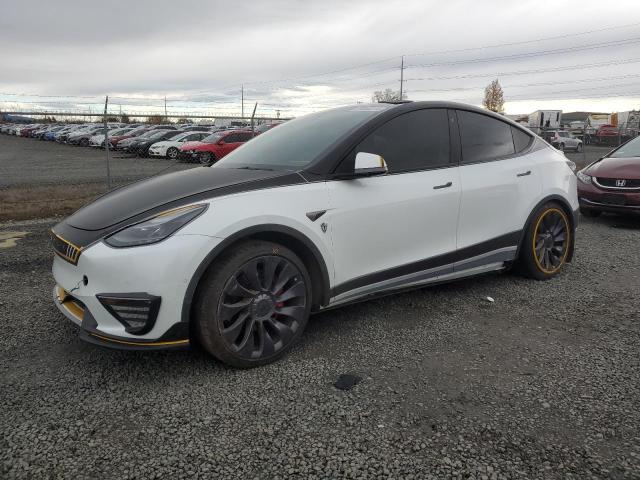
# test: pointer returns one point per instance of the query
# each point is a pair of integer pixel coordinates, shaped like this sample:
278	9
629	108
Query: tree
494	97
387	95
124	118
156	119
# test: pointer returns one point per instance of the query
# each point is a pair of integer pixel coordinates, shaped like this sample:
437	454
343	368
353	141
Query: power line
556	51
532	71
540	84
544	39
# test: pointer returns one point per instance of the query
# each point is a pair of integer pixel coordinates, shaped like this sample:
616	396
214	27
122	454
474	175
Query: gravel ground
28	161
543	383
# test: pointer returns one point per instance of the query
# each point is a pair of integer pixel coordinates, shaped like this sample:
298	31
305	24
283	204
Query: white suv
327	209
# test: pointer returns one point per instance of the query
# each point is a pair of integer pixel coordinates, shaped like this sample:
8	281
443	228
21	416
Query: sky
293	57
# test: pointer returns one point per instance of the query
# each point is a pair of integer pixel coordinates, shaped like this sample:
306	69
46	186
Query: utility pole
106	142
253	115
401	75
242	99
165	109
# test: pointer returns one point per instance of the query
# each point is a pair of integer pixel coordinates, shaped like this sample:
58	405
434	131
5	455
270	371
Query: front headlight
583	177
155	229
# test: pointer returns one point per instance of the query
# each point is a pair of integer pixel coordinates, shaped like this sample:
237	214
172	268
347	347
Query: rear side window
483	138
244	137
521	139
414	141
231	138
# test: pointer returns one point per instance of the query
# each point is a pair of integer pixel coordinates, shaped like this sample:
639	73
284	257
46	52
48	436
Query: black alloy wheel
547	243
551	240
262	307
253	304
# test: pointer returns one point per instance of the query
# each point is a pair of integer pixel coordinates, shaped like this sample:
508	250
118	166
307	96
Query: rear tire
547	241
172	153
253	305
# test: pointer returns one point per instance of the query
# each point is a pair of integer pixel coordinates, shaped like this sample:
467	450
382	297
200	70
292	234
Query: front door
395	229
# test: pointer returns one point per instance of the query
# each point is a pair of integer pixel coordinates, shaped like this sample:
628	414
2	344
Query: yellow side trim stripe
142	344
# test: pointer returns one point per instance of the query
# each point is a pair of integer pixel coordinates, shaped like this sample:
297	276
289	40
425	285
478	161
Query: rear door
394	229
499	182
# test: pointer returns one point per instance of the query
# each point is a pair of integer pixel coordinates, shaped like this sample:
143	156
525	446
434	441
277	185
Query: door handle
524	174
446	185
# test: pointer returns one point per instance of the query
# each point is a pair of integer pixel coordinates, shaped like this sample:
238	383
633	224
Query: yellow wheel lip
568	242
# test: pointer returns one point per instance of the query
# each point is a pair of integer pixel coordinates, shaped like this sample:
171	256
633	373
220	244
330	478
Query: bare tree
387	95
494	97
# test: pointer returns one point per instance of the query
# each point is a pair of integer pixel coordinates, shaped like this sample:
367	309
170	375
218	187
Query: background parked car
563	140
142	148
215	146
170	148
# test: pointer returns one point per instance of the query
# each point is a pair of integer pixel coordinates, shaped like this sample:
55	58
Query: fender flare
573	218
247	233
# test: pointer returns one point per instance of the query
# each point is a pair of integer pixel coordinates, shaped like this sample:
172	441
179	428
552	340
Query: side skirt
478	265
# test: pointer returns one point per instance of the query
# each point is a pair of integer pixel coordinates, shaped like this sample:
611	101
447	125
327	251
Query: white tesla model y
327	209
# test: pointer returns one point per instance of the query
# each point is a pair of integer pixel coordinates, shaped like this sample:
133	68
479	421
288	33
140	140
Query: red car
612	184
212	148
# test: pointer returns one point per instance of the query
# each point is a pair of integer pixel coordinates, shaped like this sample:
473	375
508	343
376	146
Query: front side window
483	138
413	141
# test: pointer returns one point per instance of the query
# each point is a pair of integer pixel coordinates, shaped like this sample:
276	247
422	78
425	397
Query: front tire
547	242
207	158
253	306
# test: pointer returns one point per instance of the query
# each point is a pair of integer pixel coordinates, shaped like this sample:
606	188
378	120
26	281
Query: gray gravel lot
28	161
543	383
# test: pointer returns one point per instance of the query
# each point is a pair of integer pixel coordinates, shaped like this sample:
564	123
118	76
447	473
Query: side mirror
369	164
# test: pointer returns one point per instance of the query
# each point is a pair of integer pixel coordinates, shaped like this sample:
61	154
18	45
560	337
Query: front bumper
160	270
609	200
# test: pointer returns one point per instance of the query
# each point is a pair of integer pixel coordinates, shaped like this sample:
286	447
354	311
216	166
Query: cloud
301	53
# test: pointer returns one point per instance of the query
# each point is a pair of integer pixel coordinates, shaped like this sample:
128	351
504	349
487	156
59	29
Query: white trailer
541	120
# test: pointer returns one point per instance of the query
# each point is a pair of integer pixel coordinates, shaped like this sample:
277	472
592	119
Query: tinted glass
413	141
244	137
212	138
483	137
629	149
297	143
232	138
521	139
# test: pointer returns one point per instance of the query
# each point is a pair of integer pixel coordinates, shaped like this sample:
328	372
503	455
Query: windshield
177	136
158	134
212	138
297	143
629	149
